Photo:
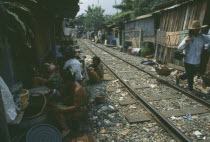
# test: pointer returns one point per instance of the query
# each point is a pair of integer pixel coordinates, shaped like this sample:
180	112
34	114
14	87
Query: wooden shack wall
172	30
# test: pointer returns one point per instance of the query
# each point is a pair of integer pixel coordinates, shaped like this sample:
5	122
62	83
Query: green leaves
33	1
133	8
12	21
94	18
16	17
11	5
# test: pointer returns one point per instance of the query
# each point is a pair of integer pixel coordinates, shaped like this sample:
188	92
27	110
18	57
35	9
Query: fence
166	44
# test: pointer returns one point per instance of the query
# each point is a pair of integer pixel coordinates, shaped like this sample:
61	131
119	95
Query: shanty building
140	29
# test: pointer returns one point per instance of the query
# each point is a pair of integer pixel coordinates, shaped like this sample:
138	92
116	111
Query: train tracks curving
163	101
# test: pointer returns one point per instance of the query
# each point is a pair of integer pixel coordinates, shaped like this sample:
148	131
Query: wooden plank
182	112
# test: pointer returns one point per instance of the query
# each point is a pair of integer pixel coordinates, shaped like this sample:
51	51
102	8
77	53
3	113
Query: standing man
193	45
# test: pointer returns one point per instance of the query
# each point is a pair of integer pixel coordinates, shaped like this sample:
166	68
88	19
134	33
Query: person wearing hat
192	45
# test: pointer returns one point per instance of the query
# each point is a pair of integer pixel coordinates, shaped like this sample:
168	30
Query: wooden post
4	132
140	37
123	37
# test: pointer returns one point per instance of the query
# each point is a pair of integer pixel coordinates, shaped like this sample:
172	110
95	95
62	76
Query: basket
163	71
24	96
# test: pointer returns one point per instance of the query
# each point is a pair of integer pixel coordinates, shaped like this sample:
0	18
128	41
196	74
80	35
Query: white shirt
193	49
76	67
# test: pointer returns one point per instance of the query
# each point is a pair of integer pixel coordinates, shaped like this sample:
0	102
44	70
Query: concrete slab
111	89
128	71
133	77
195	110
140	86
126	102
108	77
141	117
160	98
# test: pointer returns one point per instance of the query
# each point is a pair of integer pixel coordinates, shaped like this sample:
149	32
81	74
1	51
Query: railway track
165	102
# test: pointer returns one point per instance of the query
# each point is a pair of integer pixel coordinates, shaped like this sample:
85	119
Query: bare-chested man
73	103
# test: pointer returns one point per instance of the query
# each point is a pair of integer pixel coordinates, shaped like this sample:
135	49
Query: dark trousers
204	61
191	71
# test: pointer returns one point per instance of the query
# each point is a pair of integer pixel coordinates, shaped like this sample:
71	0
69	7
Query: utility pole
116	4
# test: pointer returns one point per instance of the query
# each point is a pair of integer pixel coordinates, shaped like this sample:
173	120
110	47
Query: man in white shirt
72	62
193	46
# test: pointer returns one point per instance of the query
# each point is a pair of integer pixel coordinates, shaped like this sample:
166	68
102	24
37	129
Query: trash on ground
198	134
118	124
126	132
102	131
118	91
153	85
115	81
188	117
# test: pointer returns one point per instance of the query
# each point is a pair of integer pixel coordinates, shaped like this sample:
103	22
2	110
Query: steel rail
194	97
164	122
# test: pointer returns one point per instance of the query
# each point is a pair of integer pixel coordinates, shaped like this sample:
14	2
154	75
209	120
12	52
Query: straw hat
197	25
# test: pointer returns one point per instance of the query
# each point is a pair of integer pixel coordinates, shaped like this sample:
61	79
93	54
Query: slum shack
139	29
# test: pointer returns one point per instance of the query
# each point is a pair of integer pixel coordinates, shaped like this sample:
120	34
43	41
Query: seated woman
72	105
52	80
95	70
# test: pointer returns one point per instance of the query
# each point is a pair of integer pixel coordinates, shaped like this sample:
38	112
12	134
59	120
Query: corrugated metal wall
132	31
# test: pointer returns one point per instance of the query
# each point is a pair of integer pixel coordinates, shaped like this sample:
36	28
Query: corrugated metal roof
158	11
140	17
143	16
175	6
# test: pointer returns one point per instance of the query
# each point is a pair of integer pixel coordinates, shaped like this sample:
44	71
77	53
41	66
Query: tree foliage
133	8
94	18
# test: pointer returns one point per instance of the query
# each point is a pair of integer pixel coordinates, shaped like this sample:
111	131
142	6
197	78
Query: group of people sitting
66	75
